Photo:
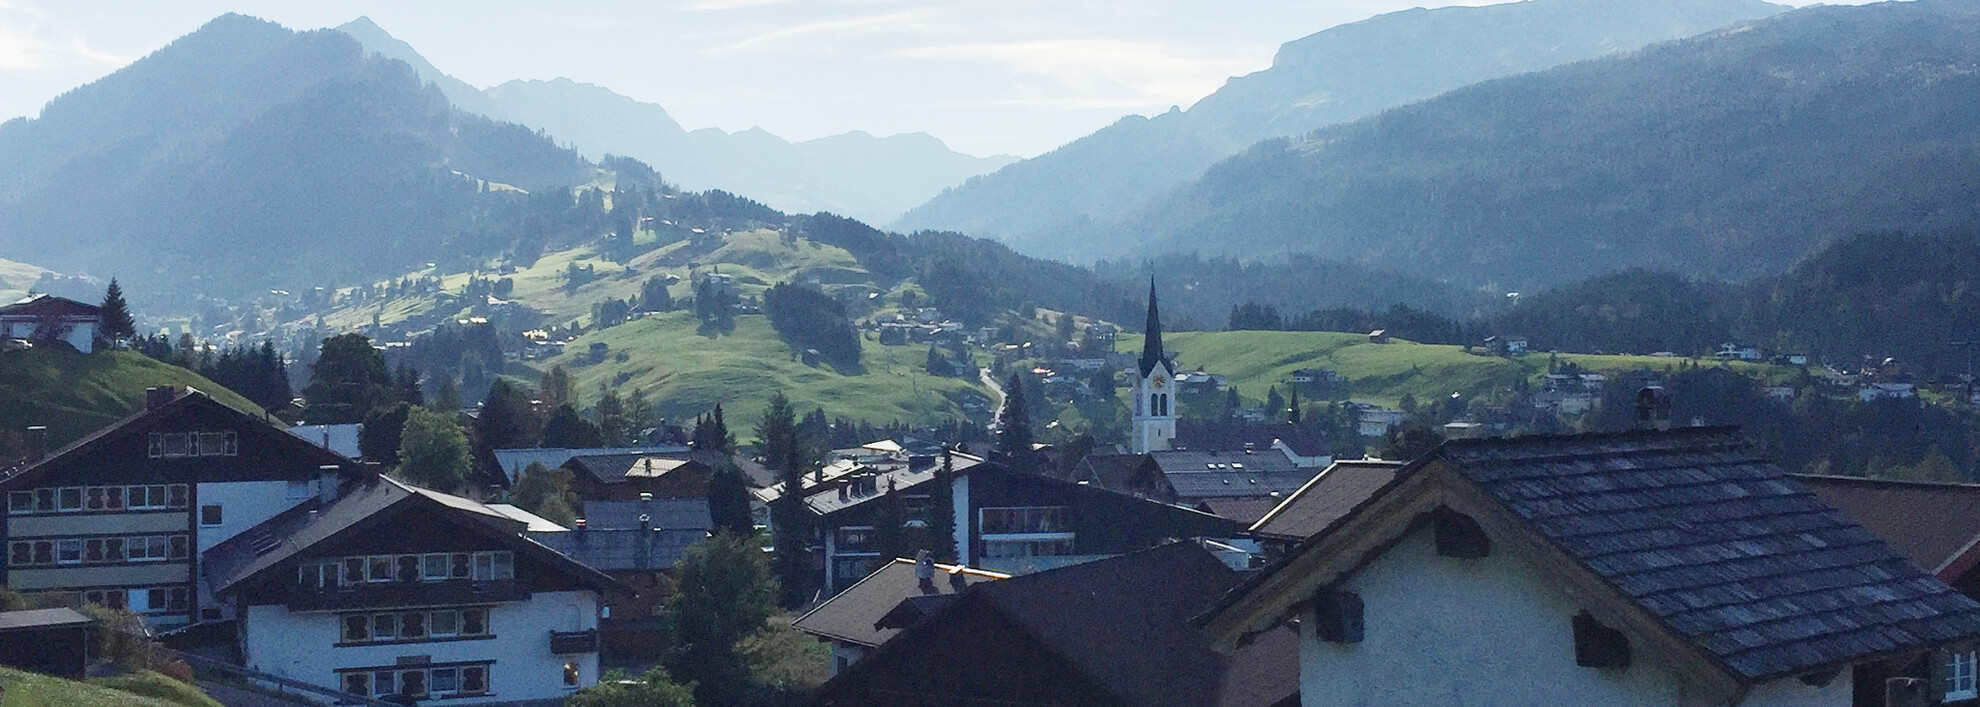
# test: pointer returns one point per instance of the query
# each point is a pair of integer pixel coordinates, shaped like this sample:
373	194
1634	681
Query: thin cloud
28	46
908	21
1098	73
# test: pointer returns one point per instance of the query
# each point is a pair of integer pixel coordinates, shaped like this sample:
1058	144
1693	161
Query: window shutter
1337	616
1459	536
1598	646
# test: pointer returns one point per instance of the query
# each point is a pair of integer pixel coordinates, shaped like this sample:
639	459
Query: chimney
956	582
155	398
37	441
645	497
326	483
645	521
924	572
1653	408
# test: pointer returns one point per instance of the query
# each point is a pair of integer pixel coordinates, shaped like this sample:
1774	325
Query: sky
1016	77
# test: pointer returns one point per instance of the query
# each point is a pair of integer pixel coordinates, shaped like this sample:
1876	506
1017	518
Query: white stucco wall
304	647
244	504
1449	632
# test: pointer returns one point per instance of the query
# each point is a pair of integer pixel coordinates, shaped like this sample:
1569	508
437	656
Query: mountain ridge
1332	76
855	174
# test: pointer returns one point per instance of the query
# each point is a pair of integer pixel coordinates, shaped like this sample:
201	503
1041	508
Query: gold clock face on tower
1159	381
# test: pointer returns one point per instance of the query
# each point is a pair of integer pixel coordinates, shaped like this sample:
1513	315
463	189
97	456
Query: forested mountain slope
1730	155
1341	74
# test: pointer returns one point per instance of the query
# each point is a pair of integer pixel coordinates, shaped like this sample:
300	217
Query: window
409	570
1027	548
69	499
353	571
177	547
458	567
113	549
412	624
570	675
446	681
1024	520
177	496
1959	679
44	552
378	568
93	498
147	498
216	444
384	627
433	568
69	552
211	515
317	575
385	682
856	539
412	682
494	565
444	623
20	553
20	502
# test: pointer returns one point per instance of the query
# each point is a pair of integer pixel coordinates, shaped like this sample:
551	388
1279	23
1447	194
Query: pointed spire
1151	343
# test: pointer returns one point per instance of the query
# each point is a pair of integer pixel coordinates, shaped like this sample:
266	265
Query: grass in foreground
151	684
25	689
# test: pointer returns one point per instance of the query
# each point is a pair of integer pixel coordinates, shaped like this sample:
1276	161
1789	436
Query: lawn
25	689
1383	373
74	394
687	373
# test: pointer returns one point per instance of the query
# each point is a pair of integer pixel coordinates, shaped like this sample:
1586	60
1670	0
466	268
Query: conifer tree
1014	434
942	519
117	324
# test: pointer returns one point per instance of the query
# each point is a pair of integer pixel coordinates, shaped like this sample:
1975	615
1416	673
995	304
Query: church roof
1151	342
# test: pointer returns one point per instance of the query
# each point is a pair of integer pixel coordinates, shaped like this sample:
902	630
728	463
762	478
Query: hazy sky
987	76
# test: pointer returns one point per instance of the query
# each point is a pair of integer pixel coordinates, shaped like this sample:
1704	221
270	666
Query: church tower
1154	389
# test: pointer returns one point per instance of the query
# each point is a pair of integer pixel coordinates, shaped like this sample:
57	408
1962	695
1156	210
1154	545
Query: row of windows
429	682
78	551
77	499
143	600
415	625
193	444
1024	519
431	567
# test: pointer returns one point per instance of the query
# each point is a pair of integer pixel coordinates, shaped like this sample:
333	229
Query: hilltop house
51	317
1640	568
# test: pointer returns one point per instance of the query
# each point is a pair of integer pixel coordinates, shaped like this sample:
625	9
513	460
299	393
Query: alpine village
1556	352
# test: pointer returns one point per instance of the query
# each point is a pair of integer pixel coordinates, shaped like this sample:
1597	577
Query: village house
1108	633
1324	499
636	542
1237	484
625	477
1375	420
47	316
1638	568
873	610
387	589
120	518
512	462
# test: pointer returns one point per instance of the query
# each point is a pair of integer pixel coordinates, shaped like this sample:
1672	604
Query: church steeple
1151	344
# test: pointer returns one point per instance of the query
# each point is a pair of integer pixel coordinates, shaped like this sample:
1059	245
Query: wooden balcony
389	595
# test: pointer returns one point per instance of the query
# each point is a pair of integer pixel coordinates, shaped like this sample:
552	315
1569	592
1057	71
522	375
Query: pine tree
888	526
1292	413
942	519
778	435
117	324
1014	434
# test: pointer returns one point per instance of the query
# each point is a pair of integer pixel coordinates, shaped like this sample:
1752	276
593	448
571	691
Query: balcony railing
386	595
568	642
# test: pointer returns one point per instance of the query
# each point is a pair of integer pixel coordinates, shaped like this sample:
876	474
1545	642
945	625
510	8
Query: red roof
50	305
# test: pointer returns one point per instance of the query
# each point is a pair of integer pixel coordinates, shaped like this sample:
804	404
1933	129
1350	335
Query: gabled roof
305	455
49	306
1325	499
854	615
514	461
1731	567
1207	436
666	513
294	532
1122	624
826	498
1933	524
1231	474
618	468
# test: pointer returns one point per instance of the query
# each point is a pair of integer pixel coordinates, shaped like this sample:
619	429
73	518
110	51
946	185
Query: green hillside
686	373
1382	373
74	394
25	689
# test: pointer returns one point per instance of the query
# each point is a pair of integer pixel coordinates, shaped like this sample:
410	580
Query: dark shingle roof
1205	435
1719	546
664	513
1124	623
623	549
1199	475
853	616
1325	499
1931	523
